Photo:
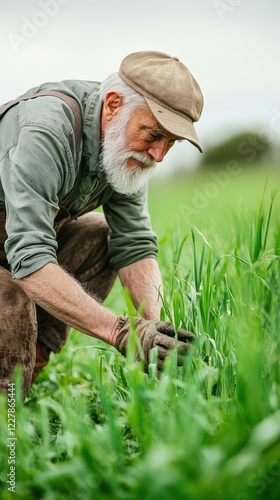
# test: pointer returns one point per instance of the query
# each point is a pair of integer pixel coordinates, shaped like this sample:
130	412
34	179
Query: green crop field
95	426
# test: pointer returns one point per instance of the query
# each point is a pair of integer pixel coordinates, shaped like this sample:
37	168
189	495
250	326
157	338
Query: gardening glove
159	334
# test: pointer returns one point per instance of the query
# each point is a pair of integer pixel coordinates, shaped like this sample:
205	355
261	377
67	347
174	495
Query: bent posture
65	149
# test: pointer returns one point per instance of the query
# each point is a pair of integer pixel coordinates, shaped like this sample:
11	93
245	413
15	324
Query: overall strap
72	103
63	214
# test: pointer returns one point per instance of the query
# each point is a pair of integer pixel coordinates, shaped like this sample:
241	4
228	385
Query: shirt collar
92	133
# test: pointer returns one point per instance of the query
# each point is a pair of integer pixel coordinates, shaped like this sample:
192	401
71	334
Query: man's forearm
143	279
60	295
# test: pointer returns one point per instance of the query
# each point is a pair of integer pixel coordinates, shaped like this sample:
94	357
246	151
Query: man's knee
83	250
18	328
15	306
87	227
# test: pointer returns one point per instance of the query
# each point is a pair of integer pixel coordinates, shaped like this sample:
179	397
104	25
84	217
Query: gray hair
131	98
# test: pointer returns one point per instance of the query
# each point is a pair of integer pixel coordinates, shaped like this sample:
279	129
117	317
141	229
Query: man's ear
112	105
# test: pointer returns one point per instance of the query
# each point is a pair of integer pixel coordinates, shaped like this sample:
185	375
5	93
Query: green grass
96	427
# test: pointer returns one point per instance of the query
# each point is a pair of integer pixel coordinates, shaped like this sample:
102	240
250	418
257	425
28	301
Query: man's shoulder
78	89
46	112
51	112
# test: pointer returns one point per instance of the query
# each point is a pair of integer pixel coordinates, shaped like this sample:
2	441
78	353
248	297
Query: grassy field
96	427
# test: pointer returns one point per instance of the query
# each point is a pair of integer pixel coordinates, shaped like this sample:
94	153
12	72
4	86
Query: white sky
232	47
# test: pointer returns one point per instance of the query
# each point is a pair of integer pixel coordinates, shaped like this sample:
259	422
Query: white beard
113	160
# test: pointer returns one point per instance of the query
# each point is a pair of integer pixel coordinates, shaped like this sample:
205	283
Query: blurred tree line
243	147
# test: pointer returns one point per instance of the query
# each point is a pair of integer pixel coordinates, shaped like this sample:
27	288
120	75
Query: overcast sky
232	47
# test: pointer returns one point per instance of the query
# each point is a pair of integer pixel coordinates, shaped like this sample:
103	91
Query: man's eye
153	137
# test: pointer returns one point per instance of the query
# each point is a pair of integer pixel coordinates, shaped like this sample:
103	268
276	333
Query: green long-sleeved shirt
38	168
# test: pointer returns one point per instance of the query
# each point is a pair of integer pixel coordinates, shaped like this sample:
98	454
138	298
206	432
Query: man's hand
159	334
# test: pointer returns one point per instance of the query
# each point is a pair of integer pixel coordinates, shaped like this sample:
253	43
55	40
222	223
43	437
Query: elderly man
65	149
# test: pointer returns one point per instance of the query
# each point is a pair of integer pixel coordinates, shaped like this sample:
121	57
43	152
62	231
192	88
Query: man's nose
158	150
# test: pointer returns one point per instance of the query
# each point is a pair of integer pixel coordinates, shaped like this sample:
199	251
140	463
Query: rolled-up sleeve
32	179
131	237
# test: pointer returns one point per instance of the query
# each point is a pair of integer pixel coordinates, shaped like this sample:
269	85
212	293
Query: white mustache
147	161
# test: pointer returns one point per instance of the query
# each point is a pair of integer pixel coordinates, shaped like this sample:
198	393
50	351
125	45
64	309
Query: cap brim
174	123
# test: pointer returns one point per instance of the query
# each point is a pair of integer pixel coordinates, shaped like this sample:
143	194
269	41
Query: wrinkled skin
159	334
28	334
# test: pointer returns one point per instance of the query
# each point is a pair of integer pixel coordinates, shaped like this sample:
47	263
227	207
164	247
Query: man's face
131	147
145	135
